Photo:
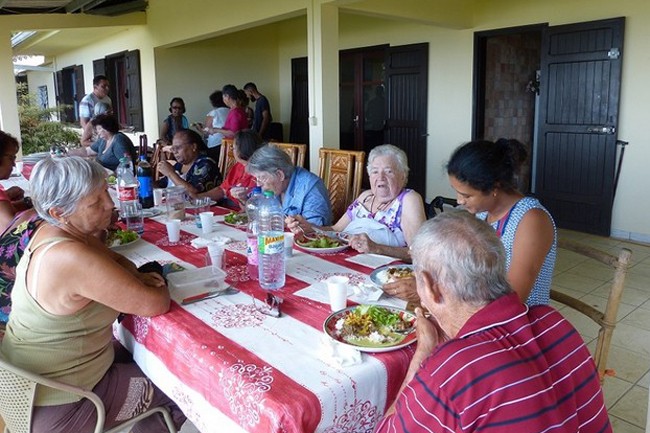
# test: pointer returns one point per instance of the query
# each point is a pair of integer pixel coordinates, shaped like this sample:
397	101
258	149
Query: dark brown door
299	127
406	123
579	98
133	97
361	98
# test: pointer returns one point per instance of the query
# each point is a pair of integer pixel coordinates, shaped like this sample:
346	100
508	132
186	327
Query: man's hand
429	334
404	288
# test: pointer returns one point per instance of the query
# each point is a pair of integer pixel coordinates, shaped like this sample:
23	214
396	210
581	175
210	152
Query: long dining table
231	368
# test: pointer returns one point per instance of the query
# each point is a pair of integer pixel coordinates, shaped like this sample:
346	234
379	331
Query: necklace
380	206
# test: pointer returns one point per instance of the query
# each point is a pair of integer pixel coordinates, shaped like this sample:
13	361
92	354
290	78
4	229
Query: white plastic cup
288	244
173	230
215	254
158	196
337	287
207	222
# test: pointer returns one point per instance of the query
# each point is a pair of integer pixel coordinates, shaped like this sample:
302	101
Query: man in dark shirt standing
263	118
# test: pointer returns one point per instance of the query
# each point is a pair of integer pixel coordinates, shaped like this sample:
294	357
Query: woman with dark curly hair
111	144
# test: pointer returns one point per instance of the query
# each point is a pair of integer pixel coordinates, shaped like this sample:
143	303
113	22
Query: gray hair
395	152
464	255
62	182
269	159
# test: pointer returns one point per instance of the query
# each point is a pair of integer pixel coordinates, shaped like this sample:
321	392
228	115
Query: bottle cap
143	158
269	194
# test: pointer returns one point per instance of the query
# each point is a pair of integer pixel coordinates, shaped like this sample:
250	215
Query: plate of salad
372	328
236	219
121	238
321	244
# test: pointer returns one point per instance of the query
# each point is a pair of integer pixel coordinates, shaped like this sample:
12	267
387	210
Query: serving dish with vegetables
372	328
321	244
236	219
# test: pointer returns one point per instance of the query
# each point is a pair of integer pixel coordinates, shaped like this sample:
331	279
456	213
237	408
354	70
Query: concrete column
323	67
8	102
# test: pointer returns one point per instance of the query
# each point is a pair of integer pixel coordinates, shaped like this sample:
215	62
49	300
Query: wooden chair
605	319
296	152
159	155
226	156
17	392
342	172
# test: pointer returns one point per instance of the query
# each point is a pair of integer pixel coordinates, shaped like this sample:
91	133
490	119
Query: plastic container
252	205
127	184
270	243
145	179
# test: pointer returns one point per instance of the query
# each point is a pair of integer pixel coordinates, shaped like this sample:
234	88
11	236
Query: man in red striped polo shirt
485	362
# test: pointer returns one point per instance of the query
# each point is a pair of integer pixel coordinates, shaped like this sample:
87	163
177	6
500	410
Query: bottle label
146	186
271	244
127	193
251	251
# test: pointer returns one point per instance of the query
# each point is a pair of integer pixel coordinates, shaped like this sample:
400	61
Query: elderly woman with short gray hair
300	191
69	289
385	218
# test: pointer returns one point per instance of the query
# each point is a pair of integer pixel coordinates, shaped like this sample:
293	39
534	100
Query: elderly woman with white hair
69	290
300	191
383	219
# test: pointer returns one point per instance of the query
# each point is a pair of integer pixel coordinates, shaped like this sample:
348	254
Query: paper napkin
372	261
336	353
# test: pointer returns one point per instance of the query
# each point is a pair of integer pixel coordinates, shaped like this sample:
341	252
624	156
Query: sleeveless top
541	291
75	349
383	227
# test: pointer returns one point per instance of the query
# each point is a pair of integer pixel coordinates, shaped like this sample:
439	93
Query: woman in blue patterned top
193	170
484	173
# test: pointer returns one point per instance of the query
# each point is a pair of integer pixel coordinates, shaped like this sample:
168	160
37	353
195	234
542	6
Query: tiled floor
626	394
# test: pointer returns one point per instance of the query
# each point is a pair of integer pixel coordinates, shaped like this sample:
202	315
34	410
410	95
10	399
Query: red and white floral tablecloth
233	369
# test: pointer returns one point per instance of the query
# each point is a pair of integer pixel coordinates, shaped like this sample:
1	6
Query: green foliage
38	132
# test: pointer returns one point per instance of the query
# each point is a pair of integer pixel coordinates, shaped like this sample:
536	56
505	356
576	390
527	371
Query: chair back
437	205
159	154
296	152
342	173
606	319
226	156
16	398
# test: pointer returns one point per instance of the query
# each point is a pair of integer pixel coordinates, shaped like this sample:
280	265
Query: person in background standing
216	118
263	118
101	87
236	120
175	122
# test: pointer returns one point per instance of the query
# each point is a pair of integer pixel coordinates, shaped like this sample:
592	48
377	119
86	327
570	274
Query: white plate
329	326
117	247
380	276
242	224
151	212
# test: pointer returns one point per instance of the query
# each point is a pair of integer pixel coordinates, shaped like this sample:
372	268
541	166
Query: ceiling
94	7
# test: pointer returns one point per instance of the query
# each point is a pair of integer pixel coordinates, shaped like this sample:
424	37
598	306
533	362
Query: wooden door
579	98
406	124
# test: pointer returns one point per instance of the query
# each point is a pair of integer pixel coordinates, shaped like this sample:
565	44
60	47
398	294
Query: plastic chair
17	391
296	152
342	173
606	319
226	156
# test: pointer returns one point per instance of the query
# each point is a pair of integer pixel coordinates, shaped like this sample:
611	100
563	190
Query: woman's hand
165	168
362	243
404	288
297	224
152	279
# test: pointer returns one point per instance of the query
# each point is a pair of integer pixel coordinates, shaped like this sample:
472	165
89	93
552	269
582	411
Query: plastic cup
132	214
173	230
337	287
215	255
207	222
158	196
288	244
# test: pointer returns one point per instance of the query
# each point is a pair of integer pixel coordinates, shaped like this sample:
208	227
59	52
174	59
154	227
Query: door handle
609	130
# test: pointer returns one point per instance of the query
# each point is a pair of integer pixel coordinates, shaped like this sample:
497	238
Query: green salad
112	180
320	242
120	237
235	218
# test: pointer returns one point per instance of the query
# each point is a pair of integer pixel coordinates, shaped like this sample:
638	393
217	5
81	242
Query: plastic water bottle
145	179
270	243
127	184
252	205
